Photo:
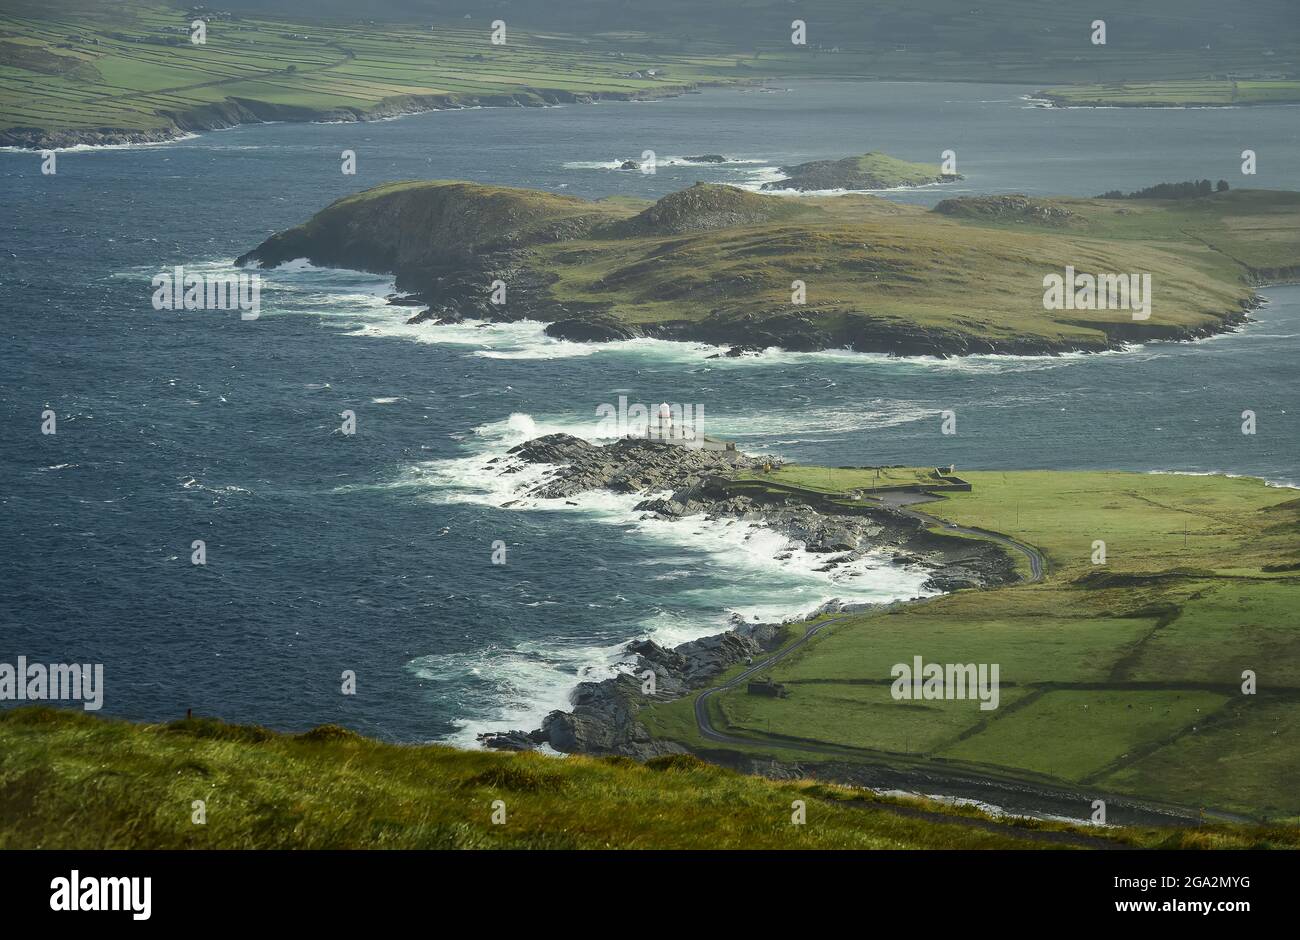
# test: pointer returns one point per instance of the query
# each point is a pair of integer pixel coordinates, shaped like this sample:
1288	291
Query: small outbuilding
763	685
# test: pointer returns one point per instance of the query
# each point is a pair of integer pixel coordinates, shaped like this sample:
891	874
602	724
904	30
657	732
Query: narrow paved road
1036	560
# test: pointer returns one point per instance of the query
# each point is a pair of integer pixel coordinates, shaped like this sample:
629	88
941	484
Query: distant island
870	171
748	271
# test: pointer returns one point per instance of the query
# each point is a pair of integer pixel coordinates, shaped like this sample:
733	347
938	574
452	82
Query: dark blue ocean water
373	552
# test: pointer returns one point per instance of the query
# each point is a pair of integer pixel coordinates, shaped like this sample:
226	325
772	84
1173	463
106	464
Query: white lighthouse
665	422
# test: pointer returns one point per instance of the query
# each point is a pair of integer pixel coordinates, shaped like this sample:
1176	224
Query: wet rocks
631	465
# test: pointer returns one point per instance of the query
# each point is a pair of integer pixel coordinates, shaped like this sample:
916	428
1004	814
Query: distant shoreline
240	112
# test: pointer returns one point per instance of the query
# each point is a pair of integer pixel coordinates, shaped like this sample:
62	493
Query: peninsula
1103	597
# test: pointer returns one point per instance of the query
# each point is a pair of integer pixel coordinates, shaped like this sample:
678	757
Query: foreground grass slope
68	780
1123	676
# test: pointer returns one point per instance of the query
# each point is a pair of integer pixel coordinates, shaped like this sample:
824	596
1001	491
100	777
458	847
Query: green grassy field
126	67
69	780
1119	677
836	481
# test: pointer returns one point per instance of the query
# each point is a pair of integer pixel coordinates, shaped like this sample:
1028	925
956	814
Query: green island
722	265
1119	675
869	171
79	72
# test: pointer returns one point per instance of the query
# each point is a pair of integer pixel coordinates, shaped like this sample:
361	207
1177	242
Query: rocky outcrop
632	465
1009	208
597	328
705	207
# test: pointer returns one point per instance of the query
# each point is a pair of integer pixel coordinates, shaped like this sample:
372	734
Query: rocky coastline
603	717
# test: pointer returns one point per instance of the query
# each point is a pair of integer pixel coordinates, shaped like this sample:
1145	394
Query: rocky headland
680	482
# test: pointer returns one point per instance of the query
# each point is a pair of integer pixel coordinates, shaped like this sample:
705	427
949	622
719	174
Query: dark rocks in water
554	448
706	158
603	718
511	740
630	465
629	165
597	329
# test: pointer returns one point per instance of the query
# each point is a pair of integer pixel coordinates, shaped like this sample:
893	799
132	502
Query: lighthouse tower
664	431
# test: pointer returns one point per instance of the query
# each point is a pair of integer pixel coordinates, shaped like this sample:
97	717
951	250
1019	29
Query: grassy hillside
1120	677
68	780
79	68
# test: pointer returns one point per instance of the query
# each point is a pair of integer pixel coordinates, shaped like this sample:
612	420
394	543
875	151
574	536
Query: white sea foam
617	163
356	302
519	685
89	148
1280	484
